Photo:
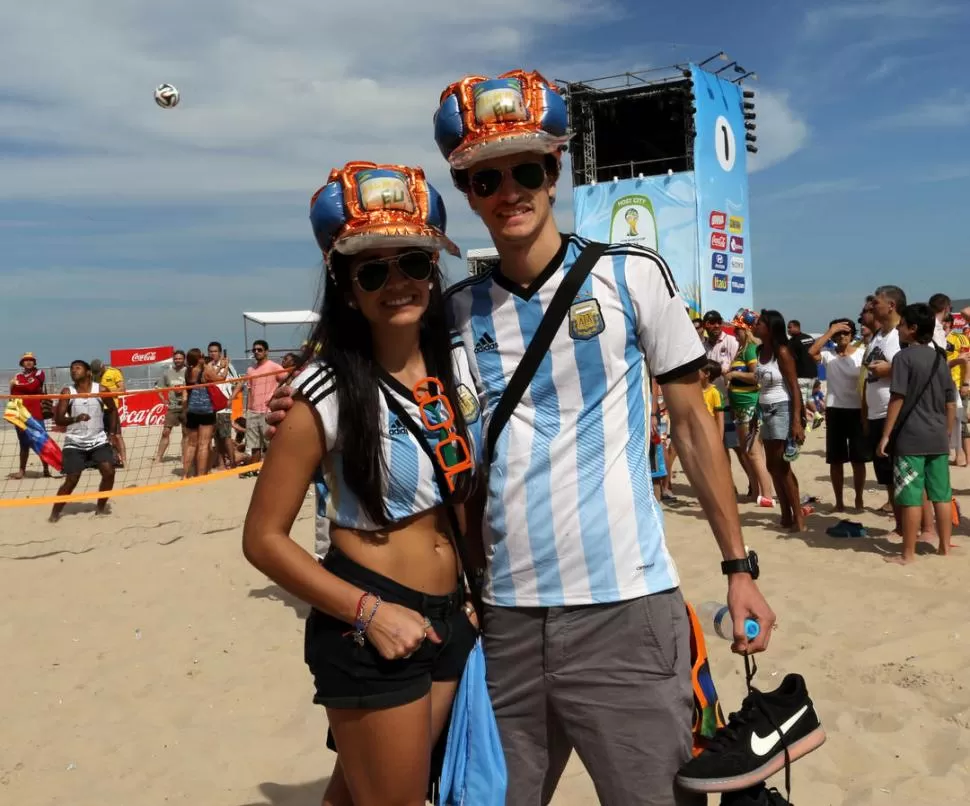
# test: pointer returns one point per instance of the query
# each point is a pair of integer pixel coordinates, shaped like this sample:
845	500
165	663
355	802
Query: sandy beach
145	662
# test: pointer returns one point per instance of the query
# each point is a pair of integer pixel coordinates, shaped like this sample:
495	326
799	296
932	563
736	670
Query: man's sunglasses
372	275
485	182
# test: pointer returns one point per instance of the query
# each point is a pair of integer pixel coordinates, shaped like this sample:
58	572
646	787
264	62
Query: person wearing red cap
28	384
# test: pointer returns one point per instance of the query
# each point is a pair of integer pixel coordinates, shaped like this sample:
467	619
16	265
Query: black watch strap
747	565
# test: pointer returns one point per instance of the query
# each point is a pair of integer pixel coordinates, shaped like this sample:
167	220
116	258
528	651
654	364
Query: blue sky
123	225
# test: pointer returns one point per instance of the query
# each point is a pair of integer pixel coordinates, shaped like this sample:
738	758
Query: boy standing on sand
921	414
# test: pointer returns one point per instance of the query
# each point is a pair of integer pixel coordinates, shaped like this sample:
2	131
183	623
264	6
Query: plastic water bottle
716	619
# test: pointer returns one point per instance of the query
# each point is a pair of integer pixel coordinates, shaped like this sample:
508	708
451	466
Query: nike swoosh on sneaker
761	746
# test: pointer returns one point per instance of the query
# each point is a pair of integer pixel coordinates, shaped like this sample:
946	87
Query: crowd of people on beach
901	410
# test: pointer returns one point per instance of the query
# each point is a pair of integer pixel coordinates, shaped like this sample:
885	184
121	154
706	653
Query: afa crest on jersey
468	402
586	319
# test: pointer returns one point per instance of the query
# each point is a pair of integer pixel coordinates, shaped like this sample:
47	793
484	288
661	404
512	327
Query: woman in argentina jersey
391	628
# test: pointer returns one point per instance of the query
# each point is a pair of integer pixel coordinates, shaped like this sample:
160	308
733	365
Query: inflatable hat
479	118
369	206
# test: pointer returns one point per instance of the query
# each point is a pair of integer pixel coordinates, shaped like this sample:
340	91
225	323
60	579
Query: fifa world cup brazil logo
632	216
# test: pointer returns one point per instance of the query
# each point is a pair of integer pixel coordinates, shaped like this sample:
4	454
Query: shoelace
752	704
750	670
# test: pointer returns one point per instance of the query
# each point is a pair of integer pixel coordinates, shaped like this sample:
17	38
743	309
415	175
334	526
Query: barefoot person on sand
782	423
27	385
390	628
921	414
85	439
845	438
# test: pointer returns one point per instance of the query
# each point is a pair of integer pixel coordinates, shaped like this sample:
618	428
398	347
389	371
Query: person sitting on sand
921	414
85	439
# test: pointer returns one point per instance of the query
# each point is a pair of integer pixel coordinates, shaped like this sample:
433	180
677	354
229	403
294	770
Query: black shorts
351	676
845	438
74	460
194	419
883	465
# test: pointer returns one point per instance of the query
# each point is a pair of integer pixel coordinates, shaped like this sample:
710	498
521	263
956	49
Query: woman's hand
398	632
798	432
883	445
469	609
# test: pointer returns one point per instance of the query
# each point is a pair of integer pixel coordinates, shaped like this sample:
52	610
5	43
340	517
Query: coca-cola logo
144	358
146	416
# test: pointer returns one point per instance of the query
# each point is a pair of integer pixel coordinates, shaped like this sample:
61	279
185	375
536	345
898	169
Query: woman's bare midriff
416	553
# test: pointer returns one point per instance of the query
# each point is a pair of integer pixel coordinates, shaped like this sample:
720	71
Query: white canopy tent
264	318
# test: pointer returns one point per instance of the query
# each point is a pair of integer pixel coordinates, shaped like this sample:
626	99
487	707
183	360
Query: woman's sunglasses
529	175
372	275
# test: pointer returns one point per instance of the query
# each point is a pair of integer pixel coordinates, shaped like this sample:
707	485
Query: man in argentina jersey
586	632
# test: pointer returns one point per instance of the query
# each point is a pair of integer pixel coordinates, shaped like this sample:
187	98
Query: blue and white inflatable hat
479	118
366	205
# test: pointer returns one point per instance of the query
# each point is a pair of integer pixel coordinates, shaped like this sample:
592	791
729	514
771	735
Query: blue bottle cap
751	629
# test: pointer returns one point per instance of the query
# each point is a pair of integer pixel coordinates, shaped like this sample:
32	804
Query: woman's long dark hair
776	328
342	339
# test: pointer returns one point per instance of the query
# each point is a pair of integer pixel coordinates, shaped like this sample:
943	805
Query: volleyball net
151	450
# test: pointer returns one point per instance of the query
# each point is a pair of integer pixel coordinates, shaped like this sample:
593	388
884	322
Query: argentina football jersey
571	518
410	485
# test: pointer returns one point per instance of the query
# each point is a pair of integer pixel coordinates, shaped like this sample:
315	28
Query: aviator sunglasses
372	275
529	175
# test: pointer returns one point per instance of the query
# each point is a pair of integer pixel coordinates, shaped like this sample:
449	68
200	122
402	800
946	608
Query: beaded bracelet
361	625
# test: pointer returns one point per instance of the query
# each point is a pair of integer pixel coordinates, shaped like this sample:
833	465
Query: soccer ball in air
166	96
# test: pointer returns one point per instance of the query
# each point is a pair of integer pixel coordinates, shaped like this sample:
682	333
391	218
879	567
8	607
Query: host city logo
737	285
717	219
719	241
718	261
737	264
737	244
736	224
719	282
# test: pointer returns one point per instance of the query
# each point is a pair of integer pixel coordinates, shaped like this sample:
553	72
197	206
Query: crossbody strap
909	406
459	536
539	346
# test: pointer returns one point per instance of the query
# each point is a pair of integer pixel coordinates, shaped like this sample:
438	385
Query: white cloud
908	12
781	130
947	111
272	96
821	187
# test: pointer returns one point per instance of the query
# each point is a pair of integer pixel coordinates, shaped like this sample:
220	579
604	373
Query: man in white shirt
888	301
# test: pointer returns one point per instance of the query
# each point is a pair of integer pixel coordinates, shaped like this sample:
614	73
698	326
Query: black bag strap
541	341
911	404
459	536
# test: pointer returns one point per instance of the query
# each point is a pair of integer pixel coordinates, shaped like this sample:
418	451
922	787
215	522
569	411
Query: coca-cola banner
140	355
142	408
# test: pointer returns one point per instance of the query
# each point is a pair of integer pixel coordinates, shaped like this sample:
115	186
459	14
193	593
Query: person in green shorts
742	388
922	411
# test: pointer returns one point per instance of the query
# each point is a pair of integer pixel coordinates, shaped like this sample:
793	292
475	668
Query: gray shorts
257	432
775	421
611	681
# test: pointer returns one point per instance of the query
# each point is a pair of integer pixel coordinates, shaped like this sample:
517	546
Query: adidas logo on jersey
397	428
486	343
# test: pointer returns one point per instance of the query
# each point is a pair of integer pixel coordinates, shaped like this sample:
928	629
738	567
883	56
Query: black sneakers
758	795
756	740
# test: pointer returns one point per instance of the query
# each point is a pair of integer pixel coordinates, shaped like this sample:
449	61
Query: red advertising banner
141	408
140	355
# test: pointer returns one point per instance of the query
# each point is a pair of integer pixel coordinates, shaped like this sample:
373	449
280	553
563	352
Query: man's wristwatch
749	565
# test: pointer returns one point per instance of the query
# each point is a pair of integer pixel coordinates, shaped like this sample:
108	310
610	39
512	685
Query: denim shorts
350	676
775	421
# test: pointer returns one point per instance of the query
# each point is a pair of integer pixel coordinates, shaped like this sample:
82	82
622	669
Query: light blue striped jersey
410	487
571	517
